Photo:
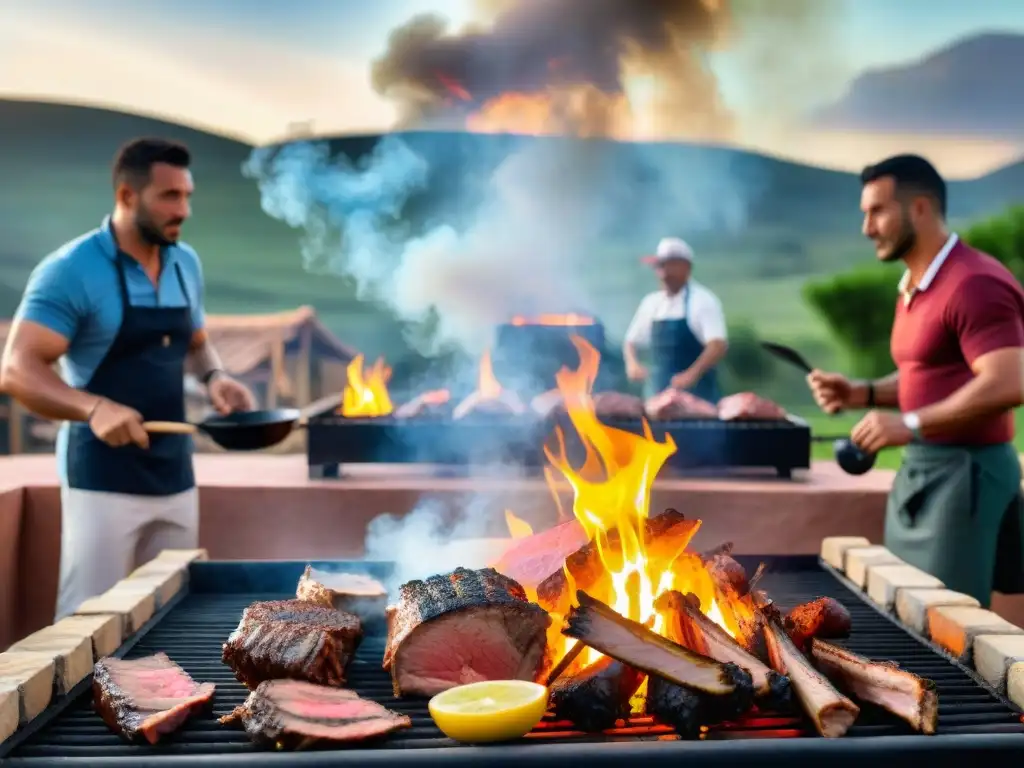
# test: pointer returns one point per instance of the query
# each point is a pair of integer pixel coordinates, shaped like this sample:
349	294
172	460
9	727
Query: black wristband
871	394
208	376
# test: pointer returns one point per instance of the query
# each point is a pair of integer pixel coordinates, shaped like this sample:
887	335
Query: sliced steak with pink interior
464	627
146	698
534	558
291	714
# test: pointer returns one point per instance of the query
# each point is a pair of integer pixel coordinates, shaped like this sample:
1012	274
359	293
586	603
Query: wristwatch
913	422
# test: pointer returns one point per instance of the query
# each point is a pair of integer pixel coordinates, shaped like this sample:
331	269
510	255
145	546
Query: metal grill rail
971	716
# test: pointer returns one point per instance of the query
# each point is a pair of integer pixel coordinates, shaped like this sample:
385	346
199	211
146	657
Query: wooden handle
169	428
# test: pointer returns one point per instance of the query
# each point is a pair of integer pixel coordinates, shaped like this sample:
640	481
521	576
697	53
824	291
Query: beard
904	244
151	232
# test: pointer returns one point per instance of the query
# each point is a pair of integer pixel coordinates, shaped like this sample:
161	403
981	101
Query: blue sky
251	68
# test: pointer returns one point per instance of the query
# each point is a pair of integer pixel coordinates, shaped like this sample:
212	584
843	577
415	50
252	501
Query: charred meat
687	625
748	406
291	714
729	576
679	708
824	618
464	627
354	593
727	691
292	639
665	535
147	698
884	684
830	711
677	405
598	695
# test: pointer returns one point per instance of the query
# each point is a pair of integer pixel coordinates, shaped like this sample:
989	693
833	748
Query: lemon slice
492	710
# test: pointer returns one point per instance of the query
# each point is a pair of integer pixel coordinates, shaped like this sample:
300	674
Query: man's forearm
713	352
37	386
629	353
204	360
886	394
977	399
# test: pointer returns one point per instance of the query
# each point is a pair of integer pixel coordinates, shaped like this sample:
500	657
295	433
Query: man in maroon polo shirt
958	345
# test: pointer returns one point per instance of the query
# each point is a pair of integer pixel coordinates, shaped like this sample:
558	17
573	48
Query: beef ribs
748	406
676	405
464	627
350	592
148	697
292	639
291	714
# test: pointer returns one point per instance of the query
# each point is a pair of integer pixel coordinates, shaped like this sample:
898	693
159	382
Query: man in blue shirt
121	308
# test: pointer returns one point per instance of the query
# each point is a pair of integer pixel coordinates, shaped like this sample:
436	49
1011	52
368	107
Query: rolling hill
59	157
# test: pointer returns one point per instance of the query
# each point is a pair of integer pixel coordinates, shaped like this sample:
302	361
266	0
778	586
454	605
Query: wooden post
303	392
276	370
15	427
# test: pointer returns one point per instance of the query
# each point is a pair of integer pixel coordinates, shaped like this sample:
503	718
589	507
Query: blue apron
144	369
674	348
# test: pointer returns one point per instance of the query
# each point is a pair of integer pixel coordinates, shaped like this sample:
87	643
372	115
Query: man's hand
118	425
229	395
685	380
635	371
880	429
832	391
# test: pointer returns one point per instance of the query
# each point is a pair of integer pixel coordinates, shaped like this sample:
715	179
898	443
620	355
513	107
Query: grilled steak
290	714
352	592
676	405
607	405
148	697
747	405
464	627
292	639
533	559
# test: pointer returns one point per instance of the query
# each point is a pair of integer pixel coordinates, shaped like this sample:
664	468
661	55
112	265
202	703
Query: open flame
611	493
488	385
366	393
566	321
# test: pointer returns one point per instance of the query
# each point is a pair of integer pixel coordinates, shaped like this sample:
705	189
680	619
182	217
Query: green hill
794	221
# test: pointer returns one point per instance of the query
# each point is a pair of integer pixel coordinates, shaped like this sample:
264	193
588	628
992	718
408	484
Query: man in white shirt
682	326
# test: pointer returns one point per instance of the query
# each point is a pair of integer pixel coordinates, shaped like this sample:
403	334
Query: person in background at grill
958	344
681	327
121	308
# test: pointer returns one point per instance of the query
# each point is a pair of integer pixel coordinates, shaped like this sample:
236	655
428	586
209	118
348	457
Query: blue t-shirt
75	292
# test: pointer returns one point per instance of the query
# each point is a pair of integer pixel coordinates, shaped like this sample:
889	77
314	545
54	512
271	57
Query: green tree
857	306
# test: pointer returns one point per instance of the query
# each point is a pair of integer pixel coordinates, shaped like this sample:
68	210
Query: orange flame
487	385
517	528
569	320
583	111
366	393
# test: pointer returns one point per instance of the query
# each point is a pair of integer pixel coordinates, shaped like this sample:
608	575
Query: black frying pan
242	431
850	458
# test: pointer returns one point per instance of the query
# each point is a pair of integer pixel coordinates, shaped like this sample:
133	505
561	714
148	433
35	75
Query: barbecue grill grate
192	631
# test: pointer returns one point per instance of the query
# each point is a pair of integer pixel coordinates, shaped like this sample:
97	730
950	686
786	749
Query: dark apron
144	369
674	348
956	513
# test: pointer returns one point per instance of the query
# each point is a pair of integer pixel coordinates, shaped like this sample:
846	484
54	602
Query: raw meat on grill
534	558
464	627
148	697
607	405
437	402
677	405
291	714
748	406
352	592
292	639
476	404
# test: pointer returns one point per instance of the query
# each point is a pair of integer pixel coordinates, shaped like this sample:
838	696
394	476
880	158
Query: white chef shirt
706	320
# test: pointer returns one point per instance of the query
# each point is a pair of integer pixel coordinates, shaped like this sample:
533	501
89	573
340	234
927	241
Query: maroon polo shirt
973	306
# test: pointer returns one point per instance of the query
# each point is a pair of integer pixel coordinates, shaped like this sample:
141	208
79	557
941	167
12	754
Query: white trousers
105	536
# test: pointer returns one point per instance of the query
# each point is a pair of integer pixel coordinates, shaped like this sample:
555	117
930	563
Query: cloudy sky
253	68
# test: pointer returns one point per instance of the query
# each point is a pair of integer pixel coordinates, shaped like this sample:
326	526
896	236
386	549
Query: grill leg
785	473
324	471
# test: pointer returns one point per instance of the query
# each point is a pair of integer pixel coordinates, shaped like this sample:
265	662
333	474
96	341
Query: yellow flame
366	393
517	528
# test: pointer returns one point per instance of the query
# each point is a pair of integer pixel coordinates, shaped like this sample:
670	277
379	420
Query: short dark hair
912	174
134	161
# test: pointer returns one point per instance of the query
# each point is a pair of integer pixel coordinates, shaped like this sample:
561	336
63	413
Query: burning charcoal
825	618
687	625
463	627
676	405
598	695
666	535
437	402
727	691
748	406
679	708
884	684
830	711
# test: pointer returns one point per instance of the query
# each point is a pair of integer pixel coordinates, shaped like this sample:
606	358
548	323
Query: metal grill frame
763	753
333	441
